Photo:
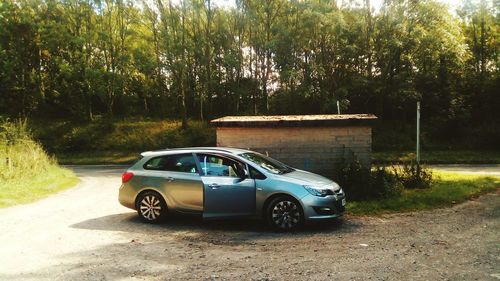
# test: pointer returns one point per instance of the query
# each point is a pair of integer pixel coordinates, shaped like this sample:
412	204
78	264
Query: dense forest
195	59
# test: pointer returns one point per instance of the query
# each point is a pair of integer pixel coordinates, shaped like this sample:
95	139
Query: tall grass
20	156
26	170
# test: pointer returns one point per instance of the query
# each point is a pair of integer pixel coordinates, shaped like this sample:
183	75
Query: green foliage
197	134
355	180
191	59
447	189
412	176
12	133
20	156
122	136
362	183
26	171
385	183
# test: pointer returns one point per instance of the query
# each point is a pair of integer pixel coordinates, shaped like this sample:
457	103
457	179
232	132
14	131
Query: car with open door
217	182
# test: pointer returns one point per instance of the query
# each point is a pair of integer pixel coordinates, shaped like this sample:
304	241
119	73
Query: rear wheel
285	214
151	207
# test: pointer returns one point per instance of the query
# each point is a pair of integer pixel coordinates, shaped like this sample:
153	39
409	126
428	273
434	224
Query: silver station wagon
218	182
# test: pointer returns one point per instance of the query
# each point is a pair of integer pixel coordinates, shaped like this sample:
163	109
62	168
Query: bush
20	156
13	132
362	183
355	180
412	176
384	183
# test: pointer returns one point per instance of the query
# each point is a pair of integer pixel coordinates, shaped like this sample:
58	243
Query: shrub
412	176
384	183
355	180
20	156
14	132
362	183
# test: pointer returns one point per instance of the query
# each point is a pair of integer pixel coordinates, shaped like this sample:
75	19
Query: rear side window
139	158
183	163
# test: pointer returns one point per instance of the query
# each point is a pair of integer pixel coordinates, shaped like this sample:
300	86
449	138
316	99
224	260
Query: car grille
339	207
336	192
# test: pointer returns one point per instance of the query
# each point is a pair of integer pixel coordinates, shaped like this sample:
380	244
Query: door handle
214	186
169	179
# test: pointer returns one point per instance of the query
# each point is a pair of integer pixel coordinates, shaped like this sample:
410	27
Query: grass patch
29	189
439	157
447	189
27	173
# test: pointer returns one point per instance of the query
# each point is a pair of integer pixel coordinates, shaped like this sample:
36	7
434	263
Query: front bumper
318	208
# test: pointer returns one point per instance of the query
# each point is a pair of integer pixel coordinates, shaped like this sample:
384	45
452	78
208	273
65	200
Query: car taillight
127	176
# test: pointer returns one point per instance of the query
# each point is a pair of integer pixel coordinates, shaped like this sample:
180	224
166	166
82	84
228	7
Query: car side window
183	163
213	165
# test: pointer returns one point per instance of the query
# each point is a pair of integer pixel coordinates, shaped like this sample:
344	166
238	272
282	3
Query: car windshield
271	165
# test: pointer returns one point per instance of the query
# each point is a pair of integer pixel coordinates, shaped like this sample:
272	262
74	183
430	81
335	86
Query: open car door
228	191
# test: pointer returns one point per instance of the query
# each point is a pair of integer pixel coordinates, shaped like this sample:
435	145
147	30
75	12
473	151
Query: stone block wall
317	149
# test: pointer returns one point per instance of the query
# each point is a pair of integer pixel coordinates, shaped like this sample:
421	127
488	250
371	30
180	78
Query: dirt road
84	234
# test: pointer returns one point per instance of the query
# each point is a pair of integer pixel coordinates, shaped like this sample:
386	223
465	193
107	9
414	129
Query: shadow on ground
242	229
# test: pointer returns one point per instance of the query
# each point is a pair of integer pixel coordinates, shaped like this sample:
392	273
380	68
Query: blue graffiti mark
307	163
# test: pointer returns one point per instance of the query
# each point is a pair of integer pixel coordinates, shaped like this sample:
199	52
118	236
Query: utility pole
418	138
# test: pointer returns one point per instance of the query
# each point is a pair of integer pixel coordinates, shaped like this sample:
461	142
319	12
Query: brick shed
317	143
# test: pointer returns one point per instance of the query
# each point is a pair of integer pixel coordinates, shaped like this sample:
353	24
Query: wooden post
8	162
418	139
418	132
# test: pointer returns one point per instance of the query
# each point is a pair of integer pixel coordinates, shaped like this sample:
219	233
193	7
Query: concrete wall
317	149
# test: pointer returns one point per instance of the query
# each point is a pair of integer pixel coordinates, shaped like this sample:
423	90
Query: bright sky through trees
193	59
376	4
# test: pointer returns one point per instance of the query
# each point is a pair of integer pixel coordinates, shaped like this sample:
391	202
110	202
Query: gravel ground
84	234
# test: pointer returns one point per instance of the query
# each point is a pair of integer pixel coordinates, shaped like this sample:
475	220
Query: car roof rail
222	149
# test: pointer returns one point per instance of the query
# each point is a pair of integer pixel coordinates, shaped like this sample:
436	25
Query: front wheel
151	207
285	214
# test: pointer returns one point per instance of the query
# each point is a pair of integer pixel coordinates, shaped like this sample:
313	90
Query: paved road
486	169
84	234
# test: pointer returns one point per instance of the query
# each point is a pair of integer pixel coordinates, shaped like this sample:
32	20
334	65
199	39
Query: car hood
307	178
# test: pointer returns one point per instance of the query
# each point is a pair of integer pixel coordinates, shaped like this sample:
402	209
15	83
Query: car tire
284	213
151	207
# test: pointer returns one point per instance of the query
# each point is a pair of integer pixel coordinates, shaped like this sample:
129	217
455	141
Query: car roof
230	150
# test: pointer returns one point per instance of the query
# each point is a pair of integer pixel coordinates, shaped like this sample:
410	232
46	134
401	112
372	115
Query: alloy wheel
285	215
150	207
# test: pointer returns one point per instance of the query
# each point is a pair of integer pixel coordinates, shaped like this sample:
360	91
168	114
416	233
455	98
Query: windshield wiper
286	171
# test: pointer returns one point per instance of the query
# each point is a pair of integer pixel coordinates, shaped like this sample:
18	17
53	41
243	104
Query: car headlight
316	191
